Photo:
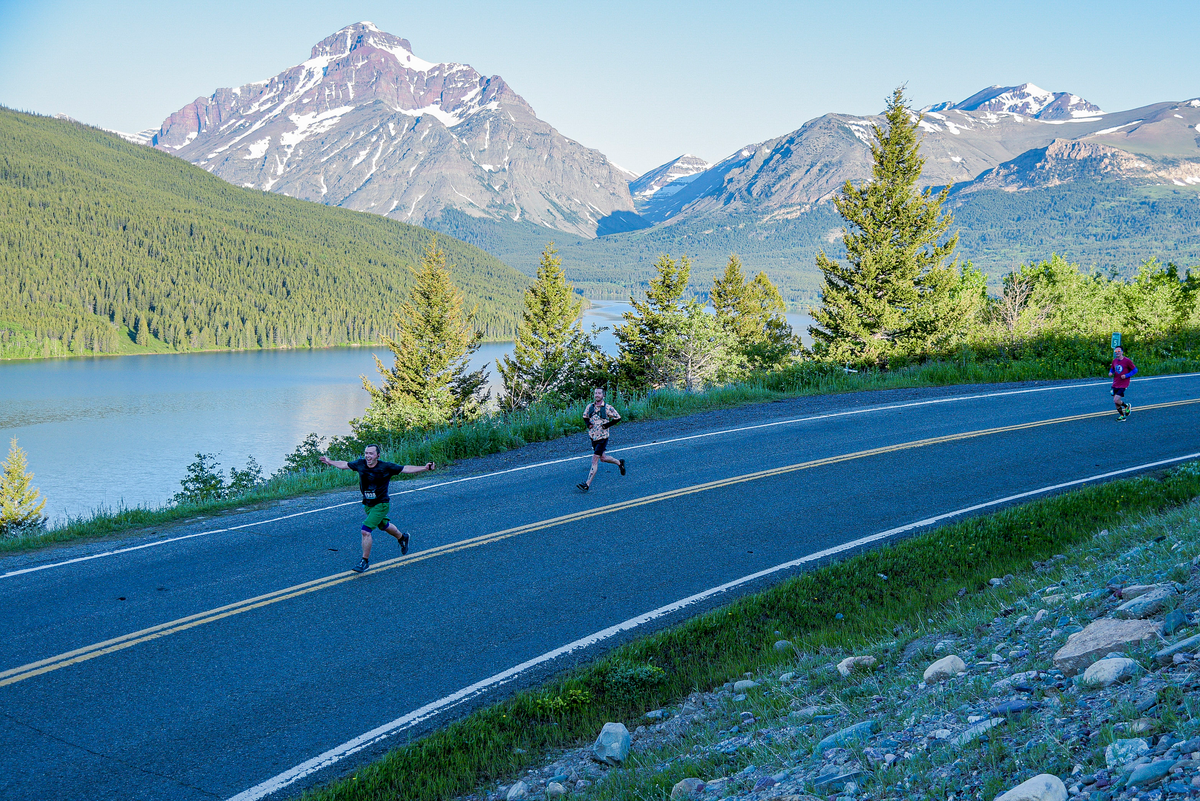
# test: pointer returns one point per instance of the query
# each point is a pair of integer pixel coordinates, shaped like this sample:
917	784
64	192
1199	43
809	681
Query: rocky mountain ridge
367	125
784	177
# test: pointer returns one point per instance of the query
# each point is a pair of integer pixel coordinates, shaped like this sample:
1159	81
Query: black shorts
598	446
1119	391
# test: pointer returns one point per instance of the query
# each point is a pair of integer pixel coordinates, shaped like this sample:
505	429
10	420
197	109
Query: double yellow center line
17	674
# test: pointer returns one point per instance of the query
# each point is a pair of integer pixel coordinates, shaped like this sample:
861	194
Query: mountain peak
1027	100
365	36
365	124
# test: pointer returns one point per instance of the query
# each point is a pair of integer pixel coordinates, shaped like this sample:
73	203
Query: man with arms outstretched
599	416
373	478
1122	370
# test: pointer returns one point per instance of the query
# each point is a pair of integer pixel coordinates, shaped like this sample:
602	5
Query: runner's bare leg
366	542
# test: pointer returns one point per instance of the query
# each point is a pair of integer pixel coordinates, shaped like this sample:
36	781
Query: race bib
369	494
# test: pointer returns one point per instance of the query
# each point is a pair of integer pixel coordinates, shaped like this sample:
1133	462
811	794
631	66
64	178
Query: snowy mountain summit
1026	100
366	124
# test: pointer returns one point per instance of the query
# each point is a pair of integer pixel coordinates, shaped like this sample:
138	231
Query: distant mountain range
367	125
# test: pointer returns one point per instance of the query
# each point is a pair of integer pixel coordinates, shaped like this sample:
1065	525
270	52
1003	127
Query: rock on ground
612	746
1045	787
1101	638
945	668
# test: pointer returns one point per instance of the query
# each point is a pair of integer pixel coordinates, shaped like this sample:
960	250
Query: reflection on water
109	431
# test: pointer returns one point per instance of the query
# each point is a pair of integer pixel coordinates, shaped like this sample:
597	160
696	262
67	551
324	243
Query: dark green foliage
244	480
429	383
109	247
893	295
306	456
553	360
646	327
204	481
754	313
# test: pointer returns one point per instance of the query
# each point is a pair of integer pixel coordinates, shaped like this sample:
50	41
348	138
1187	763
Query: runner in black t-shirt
373	478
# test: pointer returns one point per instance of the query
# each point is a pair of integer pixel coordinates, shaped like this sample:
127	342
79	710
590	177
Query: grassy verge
839	605
496	433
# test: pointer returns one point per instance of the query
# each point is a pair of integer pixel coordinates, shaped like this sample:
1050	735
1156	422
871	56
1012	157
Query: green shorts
377	516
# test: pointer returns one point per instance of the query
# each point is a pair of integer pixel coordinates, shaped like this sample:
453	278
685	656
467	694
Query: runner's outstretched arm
334	463
419	468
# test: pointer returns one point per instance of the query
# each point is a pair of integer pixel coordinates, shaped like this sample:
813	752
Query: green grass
497	433
924	576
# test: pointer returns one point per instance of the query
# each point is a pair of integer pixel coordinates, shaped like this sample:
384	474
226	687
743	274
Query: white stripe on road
722	432
434	708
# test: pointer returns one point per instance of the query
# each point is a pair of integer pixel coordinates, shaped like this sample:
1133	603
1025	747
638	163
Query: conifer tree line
898	297
105	245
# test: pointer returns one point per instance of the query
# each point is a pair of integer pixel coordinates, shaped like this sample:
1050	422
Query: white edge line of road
434	708
791	421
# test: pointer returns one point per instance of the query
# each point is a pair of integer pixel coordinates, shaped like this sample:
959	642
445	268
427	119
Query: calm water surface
110	431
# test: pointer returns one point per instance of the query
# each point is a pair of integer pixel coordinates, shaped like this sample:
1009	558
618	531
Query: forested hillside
1105	226
108	247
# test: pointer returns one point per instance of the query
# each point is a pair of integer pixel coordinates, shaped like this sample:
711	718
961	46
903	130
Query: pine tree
429	383
21	504
645	327
754	313
880	303
695	351
551	354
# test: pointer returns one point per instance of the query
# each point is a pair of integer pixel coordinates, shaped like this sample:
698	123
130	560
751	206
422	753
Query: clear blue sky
641	81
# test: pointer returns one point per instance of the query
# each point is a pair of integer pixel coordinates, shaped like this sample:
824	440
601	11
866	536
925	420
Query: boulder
687	788
518	790
859	731
850	663
1122	752
612	746
1144	775
1138	590
555	790
783	645
1173	622
743	685
1165	656
1099	638
945	668
1045	787
1147	604
973	733
1110	670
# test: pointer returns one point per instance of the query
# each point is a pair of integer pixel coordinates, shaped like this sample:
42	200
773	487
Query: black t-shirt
373	481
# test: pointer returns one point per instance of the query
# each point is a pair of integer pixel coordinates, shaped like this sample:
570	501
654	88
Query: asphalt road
205	665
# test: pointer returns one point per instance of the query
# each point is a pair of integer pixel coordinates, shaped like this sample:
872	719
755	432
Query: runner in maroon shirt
1122	370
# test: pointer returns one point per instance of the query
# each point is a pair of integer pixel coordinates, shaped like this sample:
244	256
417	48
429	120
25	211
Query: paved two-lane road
249	661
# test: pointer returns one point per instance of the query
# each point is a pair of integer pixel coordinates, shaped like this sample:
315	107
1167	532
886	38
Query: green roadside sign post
1116	343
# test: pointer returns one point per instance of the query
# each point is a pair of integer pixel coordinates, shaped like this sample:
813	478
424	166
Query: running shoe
403	542
621	464
582	487
361	566
1128	409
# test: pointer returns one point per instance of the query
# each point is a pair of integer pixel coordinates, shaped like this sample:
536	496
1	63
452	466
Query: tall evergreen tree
429	383
21	504
754	313
694	351
645	327
552	356
884	300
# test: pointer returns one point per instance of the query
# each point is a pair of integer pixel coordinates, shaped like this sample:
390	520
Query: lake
102	432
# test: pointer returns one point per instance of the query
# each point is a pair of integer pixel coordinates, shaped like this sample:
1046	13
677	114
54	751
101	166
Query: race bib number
369	494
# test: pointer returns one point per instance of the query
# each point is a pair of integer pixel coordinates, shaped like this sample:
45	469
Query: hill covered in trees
107	247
